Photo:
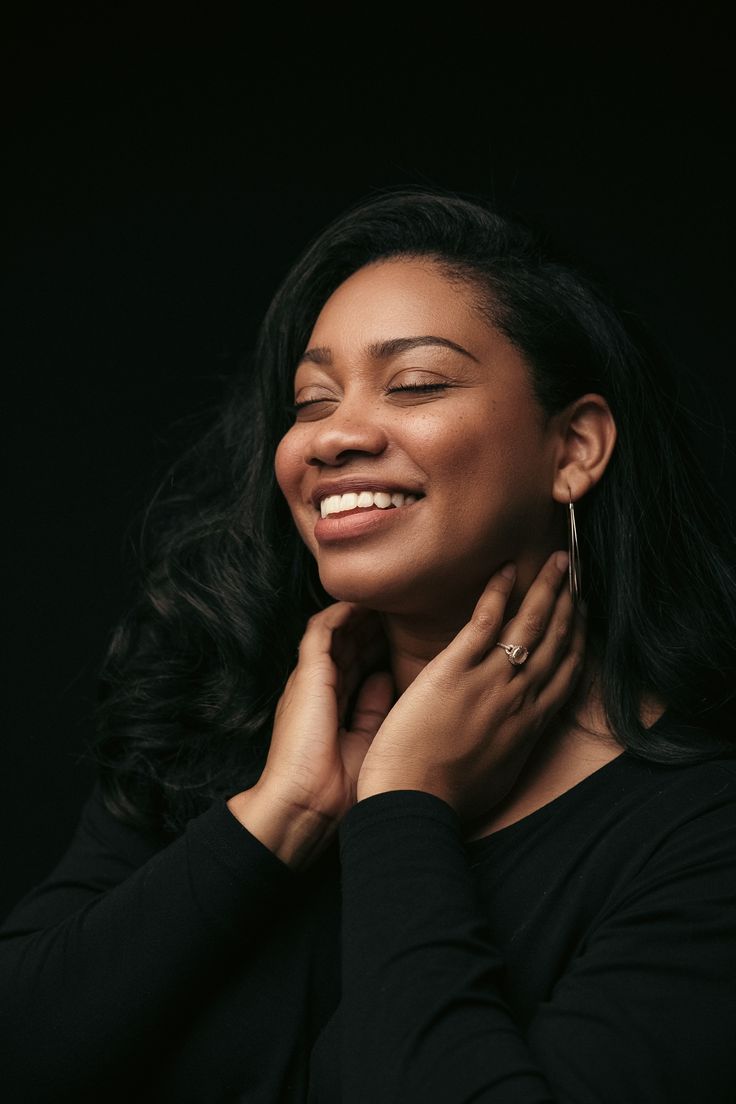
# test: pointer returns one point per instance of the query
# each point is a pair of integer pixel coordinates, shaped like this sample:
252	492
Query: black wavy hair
195	669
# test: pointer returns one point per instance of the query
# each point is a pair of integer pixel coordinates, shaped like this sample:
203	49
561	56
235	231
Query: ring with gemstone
517	653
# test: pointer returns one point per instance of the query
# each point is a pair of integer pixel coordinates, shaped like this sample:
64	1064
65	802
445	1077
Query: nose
349	429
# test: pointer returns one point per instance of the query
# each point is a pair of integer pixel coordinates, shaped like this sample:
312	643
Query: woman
383	814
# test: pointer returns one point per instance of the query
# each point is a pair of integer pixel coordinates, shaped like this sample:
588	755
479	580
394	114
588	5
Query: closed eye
418	387
390	390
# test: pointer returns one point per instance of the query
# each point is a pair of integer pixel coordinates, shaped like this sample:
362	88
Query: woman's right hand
310	777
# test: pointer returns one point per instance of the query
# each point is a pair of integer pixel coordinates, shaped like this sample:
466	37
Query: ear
586	437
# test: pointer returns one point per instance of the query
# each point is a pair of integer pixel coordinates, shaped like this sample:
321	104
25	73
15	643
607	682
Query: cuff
231	871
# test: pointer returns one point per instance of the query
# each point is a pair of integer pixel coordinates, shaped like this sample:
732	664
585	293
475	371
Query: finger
368	656
316	643
551	649
565	677
371	709
530	623
374	702
475	638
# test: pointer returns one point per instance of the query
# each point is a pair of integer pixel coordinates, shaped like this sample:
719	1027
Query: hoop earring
574	571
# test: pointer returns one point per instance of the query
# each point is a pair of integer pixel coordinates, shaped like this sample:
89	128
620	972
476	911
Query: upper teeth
337	504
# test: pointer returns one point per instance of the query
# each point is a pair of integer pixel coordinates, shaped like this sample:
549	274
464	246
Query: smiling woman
387	809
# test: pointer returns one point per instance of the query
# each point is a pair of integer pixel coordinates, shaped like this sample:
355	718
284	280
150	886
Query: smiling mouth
410	498
349	524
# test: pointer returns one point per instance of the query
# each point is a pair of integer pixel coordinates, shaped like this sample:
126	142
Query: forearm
424	1018
95	995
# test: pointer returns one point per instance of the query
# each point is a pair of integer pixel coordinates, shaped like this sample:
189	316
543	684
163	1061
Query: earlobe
587	436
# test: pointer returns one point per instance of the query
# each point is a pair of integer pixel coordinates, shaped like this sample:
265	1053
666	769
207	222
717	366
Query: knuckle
328	615
485	621
445	681
534	623
496	586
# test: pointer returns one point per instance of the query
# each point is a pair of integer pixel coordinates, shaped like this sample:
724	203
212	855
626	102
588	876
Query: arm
120	947
645	1014
100	963
103	964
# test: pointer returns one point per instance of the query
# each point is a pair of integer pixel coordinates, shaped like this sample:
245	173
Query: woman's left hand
464	727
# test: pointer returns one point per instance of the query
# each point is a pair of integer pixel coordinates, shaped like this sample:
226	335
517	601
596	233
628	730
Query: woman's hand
314	759
465	726
309	780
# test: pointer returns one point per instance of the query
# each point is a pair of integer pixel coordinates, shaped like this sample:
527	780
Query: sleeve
100	961
645	1013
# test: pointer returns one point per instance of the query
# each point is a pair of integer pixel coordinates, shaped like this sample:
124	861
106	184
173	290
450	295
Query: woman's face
478	449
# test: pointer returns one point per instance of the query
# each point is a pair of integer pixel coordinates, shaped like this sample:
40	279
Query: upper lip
355	483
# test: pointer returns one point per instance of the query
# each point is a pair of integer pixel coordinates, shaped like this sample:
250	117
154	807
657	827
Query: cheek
289	469
500	461
468	444
287	465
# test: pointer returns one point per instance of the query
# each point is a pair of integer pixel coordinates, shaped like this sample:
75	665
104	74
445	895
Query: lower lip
348	526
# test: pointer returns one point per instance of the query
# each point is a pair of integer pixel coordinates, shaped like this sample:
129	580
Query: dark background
163	176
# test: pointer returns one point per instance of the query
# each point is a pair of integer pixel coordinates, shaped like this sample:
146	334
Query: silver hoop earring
574	571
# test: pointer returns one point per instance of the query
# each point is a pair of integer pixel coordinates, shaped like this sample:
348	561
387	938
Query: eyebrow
382	350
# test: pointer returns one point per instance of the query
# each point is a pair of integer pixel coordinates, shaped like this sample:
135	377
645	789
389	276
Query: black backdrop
164	175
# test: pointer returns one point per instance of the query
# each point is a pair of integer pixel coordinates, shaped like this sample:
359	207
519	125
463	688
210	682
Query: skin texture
452	444
494	472
425	593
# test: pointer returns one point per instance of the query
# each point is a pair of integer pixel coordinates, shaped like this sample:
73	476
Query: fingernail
509	571
561	561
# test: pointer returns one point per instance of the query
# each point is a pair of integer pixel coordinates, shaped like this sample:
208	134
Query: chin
365	592
402	592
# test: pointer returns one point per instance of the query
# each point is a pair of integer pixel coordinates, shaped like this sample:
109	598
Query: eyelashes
418	387
294	408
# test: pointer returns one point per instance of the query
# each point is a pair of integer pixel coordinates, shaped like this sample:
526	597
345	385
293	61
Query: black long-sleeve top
585	954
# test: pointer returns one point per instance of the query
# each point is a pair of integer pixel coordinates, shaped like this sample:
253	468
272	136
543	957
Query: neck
416	637
412	644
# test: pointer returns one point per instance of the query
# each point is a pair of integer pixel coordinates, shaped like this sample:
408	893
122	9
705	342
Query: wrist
295	835
370	788
374	780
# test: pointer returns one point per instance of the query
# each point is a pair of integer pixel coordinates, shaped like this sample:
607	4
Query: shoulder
697	777
677	828
659	806
681	790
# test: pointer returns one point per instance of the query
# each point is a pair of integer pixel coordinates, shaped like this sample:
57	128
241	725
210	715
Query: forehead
387	301
391	291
